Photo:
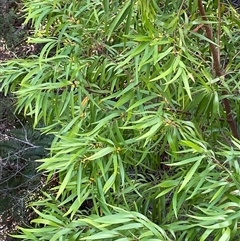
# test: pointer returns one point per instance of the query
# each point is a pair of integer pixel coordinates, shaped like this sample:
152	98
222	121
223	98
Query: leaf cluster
128	90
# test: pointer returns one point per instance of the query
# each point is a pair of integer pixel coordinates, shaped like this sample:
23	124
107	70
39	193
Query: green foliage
128	89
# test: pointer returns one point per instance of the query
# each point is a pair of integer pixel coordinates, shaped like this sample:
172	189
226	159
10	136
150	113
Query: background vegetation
142	100
11	28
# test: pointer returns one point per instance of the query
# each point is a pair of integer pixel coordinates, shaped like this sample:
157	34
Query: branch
209	33
217	70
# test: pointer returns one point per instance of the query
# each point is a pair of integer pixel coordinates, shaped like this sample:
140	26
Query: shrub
144	116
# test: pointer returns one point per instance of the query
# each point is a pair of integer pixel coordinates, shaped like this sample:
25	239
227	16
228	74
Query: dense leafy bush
144	116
